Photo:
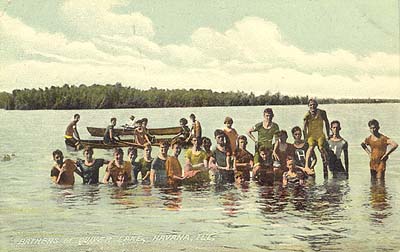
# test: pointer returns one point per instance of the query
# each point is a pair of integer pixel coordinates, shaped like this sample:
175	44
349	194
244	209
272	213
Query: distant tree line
117	96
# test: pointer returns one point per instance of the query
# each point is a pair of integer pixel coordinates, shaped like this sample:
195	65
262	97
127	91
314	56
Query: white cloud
96	18
256	42
251	56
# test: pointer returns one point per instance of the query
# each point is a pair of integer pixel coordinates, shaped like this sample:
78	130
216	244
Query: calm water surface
327	215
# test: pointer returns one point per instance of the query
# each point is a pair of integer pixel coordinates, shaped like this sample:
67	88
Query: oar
131	144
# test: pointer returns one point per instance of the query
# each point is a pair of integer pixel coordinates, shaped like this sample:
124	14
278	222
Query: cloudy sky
320	48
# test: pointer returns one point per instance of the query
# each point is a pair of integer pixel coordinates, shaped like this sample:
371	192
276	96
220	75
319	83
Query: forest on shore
117	96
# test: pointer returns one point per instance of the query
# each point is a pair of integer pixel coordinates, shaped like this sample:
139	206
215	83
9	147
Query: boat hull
99	132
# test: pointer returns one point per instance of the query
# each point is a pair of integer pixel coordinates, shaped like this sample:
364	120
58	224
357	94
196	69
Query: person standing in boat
314	122
266	130
376	146
337	146
109	136
118	170
300	149
184	134
62	172
145	122
131	124
89	167
140	136
196	128
158	172
71	135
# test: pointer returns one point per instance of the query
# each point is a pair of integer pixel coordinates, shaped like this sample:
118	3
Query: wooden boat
99	132
164	131
99	144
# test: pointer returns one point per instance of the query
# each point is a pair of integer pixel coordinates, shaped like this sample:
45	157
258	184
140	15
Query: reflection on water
172	198
123	197
379	200
324	206
90	194
272	200
231	203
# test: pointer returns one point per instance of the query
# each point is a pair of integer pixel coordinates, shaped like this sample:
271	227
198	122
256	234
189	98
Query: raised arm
250	134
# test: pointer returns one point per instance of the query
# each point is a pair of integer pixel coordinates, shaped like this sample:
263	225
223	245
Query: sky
339	49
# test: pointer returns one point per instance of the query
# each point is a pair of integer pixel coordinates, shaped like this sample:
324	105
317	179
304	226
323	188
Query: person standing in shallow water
173	166
337	146
89	167
300	149
196	166
221	161
267	131
118	170
376	146
243	161
133	154
314	122
158	172
145	164
282	149
62	172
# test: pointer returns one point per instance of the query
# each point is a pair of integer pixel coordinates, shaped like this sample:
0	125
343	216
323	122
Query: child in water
293	176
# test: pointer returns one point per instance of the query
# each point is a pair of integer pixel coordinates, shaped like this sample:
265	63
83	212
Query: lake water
328	215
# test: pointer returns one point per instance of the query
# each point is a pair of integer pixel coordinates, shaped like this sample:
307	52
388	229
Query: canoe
99	144
164	131
99	132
